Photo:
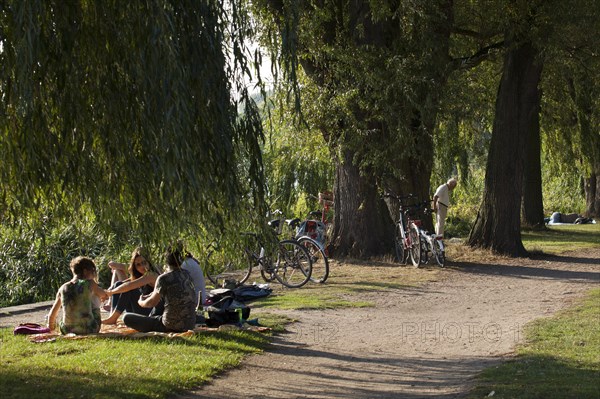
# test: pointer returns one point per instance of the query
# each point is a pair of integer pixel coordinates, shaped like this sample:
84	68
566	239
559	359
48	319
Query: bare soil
422	341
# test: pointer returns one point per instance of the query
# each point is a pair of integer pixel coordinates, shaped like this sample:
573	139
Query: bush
34	260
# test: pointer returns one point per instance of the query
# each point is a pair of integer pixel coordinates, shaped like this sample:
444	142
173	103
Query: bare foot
113	318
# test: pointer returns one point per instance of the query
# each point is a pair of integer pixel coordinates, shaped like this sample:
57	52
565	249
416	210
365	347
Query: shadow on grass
70	384
538	376
564	235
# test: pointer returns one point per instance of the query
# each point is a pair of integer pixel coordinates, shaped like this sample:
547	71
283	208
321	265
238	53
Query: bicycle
321	218
407	240
292	266
431	243
310	235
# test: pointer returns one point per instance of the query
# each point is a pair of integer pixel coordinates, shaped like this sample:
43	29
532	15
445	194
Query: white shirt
443	194
195	271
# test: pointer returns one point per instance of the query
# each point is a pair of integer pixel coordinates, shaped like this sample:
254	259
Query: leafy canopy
127	107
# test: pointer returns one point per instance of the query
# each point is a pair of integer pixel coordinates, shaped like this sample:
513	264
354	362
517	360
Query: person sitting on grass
80	300
192	266
177	290
125	291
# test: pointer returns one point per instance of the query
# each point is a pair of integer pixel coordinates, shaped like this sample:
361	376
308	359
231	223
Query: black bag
224	309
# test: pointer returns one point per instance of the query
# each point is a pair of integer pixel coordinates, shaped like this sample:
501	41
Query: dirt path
416	343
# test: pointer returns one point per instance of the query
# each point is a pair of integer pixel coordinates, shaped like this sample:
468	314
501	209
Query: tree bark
592	193
582	95
533	205
497	226
362	224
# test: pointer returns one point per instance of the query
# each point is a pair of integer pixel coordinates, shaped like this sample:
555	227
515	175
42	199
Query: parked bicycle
407	239
321	218
285	261
310	234
432	246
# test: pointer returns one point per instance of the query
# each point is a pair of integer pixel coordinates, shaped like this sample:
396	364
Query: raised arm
148	278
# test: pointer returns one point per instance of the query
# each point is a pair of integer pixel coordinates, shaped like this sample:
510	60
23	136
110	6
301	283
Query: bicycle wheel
439	253
320	263
267	269
399	247
425	249
293	268
220	268
415	245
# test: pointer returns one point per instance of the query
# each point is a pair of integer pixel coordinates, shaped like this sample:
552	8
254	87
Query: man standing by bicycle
441	200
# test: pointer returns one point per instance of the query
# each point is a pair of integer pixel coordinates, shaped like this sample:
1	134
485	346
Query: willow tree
130	109
374	69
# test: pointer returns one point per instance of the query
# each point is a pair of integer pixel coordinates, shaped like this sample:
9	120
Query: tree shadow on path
570	268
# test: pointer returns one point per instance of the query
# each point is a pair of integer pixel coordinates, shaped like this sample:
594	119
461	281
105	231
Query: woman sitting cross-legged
177	290
126	292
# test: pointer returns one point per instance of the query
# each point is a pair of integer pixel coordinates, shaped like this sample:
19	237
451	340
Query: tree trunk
533	206
592	193
497	226
582	94
362	224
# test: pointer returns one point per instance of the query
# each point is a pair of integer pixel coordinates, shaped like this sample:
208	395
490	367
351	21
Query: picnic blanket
122	331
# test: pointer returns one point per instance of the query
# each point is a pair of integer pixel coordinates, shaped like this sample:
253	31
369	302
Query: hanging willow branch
127	107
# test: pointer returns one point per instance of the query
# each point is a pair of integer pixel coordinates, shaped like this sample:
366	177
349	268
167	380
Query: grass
348	286
561	359
110	368
159	367
561	238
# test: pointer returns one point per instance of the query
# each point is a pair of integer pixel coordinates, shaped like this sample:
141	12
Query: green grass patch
117	368
561	358
300	300
347	285
562	238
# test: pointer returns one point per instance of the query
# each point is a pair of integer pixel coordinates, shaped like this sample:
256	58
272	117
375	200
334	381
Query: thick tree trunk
498	224
592	193
533	206
362	224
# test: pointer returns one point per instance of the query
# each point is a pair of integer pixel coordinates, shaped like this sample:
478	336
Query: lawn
560	359
561	355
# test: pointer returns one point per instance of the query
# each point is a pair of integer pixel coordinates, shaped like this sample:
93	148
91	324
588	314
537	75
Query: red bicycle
407	240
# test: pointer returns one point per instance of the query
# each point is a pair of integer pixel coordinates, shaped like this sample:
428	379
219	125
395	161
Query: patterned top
81	313
177	289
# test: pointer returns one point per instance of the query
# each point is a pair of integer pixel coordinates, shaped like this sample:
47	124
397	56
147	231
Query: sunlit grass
561	359
347	284
117	368
562	238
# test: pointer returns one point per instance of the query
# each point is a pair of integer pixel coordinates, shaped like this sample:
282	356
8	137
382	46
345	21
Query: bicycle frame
407	240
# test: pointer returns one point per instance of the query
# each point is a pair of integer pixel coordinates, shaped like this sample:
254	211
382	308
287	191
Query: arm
150	300
148	278
54	312
98	291
117	265
435	203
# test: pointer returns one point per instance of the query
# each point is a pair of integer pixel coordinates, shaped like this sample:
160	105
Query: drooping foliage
130	107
